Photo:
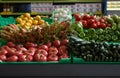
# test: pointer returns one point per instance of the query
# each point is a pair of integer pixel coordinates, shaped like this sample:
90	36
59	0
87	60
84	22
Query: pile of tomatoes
92	21
51	51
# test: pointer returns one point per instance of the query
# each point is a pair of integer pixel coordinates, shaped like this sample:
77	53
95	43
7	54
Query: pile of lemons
27	21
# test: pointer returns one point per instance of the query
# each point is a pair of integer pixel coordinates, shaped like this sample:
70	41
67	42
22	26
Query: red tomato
91	21
93	17
86	17
25	58
77	17
49	44
45	47
42	51
32	49
62	49
40	57
84	23
18	47
13	58
11	51
102	25
3	58
29	44
102	20
29	52
65	41
23	49
18	53
94	25
11	44
109	25
98	23
56	43
53	50
53	57
63	56
3	52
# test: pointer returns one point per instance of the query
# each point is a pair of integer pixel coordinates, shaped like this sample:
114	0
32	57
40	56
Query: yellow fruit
22	16
27	15
28	24
35	22
37	17
25	18
22	24
30	21
24	21
31	18
19	20
41	22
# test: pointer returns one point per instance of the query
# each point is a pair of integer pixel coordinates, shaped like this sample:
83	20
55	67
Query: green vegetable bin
7	20
76	60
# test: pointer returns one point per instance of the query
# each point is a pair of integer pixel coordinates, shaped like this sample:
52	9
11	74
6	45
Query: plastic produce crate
7	20
61	61
76	60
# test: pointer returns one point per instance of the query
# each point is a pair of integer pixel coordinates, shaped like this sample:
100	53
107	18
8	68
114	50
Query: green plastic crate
76	60
7	20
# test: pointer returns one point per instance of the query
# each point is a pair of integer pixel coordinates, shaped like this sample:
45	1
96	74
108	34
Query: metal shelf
56	1
45	13
73	1
61	70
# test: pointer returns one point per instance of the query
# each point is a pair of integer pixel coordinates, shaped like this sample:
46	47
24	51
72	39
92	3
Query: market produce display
51	51
90	37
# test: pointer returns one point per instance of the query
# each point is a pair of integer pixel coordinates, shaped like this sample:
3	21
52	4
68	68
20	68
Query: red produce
53	57
45	47
3	52
77	17
42	51
65	41
11	44
40	57
13	58
25	58
53	50
56	43
3	58
62	49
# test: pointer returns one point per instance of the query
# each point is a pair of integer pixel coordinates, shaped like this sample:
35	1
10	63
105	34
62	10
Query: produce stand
59	38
